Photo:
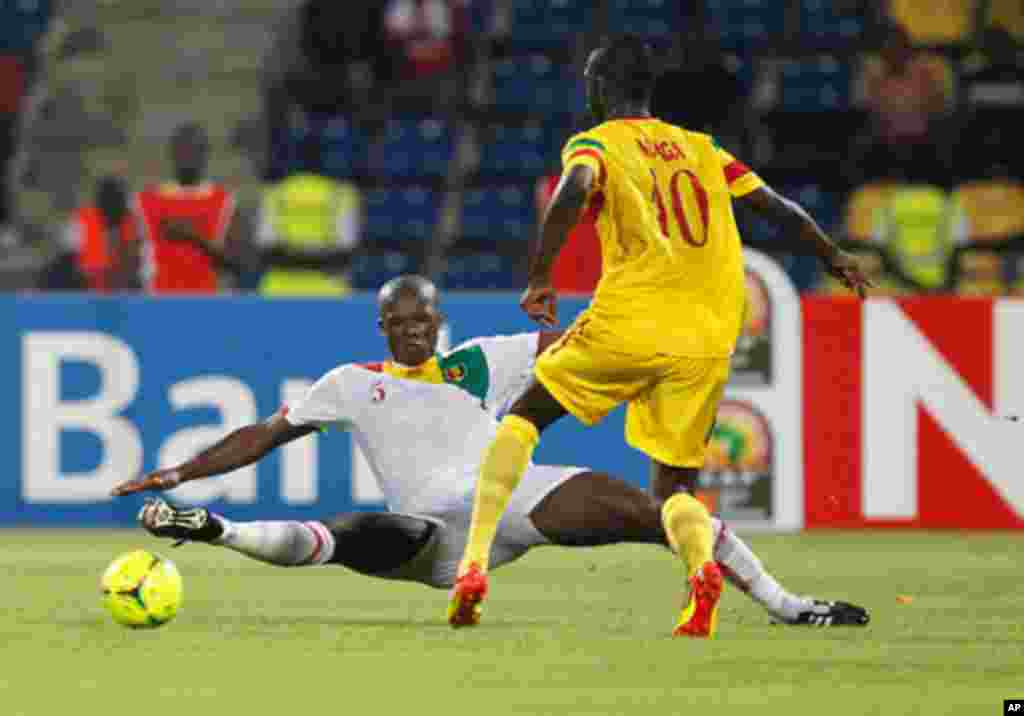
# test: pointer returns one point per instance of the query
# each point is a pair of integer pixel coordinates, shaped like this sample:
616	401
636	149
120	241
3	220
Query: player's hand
156	481
541	304
847	269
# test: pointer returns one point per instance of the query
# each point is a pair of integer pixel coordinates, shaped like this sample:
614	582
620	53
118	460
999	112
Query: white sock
748	574
287	544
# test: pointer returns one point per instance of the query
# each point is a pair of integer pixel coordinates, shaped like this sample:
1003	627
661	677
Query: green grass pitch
564	632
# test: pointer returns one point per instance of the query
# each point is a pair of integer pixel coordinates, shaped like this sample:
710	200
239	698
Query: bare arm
792	218
238	449
546	338
561	216
539	300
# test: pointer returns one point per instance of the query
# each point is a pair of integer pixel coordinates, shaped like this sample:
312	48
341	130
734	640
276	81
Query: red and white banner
905	406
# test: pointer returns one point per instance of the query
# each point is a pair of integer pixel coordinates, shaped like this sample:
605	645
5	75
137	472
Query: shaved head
410	285
410	318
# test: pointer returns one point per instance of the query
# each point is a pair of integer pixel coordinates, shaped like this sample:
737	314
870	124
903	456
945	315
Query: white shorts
438	562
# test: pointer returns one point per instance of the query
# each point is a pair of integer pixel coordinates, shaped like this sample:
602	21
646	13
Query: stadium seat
22	24
822	23
481	17
994	209
548	24
412	148
525	151
981	273
499	213
483	271
817	85
934	22
409	213
647	18
343	148
1007	14
861	210
341	143
536	84
822	204
745	23
371	270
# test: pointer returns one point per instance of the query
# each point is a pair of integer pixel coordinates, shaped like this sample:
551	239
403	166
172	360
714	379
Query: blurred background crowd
324	146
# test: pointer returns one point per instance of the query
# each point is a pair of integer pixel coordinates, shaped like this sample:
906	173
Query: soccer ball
142	589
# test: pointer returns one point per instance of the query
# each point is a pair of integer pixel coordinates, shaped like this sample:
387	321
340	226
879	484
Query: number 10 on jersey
688	198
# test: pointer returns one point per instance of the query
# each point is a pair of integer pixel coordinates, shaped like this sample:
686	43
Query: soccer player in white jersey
423	420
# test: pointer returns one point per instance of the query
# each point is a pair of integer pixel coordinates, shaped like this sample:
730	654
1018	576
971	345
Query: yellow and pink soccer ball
142	589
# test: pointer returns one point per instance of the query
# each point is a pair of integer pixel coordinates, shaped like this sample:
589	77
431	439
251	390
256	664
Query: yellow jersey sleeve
586	150
740	178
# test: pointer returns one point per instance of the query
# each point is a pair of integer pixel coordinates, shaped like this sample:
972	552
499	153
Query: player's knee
669	480
377	542
537	406
344	526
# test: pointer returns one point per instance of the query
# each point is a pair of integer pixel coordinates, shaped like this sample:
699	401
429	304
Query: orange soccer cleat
469	590
700	615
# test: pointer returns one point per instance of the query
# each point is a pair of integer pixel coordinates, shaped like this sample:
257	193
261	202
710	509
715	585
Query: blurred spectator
325	57
308	219
905	236
918	228
22	23
907	93
702	65
364	60
68	115
433	34
12	89
189	225
103	238
578	266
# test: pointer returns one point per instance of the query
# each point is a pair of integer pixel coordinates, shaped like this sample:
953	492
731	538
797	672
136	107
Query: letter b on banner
45	414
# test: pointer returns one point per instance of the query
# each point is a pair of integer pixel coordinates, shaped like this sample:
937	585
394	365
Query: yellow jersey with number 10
672	265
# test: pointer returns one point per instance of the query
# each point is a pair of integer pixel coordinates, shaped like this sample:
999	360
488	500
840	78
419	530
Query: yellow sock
688	526
504	464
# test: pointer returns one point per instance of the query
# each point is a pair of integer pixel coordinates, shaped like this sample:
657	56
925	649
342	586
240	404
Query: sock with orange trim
503	467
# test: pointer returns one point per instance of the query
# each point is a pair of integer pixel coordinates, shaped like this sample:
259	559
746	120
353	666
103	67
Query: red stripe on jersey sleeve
600	161
734	170
375	367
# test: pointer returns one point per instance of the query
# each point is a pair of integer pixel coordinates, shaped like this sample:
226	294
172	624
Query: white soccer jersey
424	440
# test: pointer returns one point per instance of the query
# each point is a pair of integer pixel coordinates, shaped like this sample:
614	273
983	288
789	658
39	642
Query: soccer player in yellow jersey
663	323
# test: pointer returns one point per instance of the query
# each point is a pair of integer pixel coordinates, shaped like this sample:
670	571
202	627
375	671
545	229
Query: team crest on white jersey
455	373
378	394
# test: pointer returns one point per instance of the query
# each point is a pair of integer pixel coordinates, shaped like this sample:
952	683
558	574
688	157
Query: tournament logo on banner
752	362
738	475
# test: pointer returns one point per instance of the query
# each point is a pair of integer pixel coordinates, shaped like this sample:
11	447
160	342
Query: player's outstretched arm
792	217
562	214
240	448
